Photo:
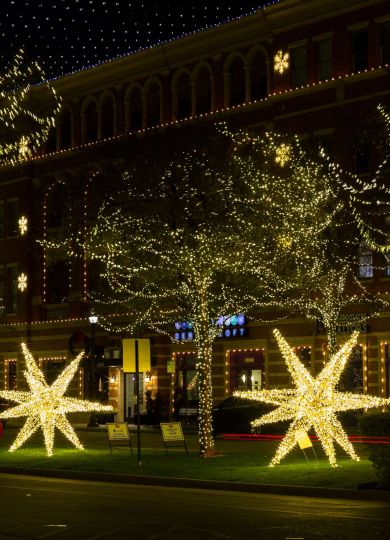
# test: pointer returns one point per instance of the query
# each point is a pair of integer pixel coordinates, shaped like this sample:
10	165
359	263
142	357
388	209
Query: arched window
134	110
237	82
58	282
152	101
258	76
203	91
90	122
107	117
183	97
65	128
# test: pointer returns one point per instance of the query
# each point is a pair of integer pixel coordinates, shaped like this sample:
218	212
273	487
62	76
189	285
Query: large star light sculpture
313	403
45	405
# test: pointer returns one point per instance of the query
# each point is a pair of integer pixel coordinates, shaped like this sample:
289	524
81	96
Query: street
33	508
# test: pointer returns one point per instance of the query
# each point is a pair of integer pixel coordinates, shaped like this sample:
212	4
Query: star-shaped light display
313	403
45	405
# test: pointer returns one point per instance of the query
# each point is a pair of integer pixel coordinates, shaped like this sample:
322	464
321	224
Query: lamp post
92	422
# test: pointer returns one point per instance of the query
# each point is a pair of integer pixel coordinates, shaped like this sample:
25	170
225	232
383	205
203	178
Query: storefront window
352	378
186	380
247	370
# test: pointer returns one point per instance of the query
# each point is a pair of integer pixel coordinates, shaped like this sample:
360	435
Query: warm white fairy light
27	129
45	405
145	256
309	218
313	403
281	61
22	282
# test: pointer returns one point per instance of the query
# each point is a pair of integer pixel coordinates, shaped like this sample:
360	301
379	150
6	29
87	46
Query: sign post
136	356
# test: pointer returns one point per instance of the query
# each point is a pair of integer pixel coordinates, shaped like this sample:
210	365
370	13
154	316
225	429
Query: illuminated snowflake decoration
23	222
281	61
45	405
313	403
24	150
283	154
22	282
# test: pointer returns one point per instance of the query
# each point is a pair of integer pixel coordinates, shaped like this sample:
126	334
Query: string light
86	27
313	217
45	405
313	403
26	126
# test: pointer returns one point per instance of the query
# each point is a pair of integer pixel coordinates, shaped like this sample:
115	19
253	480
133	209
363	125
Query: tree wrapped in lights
170	246
318	217
28	109
313	403
45	406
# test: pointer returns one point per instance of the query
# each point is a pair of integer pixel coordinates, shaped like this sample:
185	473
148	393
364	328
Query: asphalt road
34	508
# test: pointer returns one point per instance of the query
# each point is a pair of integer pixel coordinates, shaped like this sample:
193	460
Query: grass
238	462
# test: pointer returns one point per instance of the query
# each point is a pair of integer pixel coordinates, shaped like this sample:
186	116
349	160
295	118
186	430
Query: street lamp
92	422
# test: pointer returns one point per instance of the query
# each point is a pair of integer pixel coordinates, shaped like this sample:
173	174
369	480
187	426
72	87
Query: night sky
68	35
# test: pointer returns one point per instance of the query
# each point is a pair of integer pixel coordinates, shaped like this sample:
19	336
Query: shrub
378	425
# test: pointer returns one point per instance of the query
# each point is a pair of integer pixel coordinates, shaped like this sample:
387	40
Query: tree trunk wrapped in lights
170	242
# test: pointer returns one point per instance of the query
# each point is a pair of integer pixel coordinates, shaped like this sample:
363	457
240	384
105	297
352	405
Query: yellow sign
118	431
170	366
129	355
172	431
304	441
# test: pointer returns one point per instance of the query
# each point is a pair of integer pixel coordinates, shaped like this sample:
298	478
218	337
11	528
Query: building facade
318	68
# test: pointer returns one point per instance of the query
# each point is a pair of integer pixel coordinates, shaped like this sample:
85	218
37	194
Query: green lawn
238	462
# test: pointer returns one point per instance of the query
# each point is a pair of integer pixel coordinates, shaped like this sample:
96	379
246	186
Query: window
360	50
247	370
387	263
237	82
186	380
52	368
2	219
387	371
12	381
299	66
384	43
12	217
352	378
184	99
11	289
324	59
365	264
362	158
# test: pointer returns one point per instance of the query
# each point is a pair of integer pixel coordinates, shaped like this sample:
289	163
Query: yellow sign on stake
304	441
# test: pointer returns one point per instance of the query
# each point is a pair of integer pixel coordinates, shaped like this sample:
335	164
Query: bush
378	425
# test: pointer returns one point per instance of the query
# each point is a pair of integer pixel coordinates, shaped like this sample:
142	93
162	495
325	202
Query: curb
217	485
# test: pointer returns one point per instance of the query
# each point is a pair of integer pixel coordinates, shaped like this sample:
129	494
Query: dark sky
67	35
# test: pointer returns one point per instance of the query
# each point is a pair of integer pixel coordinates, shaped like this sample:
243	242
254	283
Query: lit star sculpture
45	405
313	403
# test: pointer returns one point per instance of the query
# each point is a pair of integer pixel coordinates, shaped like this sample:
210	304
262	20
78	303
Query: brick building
338	72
